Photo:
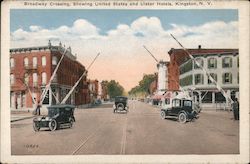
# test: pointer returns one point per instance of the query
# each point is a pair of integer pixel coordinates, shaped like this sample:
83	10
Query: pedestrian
236	109
38	108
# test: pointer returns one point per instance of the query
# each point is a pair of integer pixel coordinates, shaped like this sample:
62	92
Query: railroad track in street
84	141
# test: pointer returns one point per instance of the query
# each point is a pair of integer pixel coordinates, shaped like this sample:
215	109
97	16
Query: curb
22	119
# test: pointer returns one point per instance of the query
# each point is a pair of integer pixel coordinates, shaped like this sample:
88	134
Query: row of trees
143	88
113	88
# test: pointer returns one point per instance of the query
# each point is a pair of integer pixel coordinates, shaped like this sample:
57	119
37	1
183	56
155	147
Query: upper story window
198	79
12	79
26	62
54	60
227	78
35	62
44	78
238	78
43	60
35	79
214	76
238	61
212	63
26	78
227	62
198	63
12	63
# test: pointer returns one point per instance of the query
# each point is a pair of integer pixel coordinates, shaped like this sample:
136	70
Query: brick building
222	64
31	69
93	86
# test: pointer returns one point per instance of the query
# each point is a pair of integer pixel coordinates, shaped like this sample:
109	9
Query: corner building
222	65
31	69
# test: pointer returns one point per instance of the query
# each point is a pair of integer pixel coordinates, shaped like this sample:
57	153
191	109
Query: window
12	79
12	63
176	103
44	78
188	66
227	78
35	79
206	97
34	62
187	103
188	80
198	63
238	78
238	62
54	60
227	62
212	63
198	79
26	78
43	60
214	76
26	62
167	101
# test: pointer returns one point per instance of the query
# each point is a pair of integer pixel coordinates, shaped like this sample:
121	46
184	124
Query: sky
119	36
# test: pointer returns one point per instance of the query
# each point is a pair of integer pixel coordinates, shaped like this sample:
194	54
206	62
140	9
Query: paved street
141	131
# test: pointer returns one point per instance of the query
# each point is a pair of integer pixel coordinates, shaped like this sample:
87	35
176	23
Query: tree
144	84
114	89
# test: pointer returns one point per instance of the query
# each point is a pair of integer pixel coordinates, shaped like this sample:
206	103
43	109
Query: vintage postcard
133	81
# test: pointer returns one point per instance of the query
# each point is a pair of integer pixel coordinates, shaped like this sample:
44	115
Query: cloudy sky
119	35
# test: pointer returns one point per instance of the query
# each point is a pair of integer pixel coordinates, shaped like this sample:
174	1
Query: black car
121	104
181	109
58	116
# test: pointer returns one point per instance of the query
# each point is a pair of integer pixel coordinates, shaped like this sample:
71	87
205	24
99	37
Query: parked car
121	104
58	116
181	109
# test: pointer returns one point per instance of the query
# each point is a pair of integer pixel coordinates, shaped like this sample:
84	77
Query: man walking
236	109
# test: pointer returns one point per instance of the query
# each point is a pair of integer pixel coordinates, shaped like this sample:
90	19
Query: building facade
31	69
93	89
221	64
162	81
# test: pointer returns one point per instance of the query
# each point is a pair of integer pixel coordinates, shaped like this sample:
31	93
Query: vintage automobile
58	116
121	104
180	108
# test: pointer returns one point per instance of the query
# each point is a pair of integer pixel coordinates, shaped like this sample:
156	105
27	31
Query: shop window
207	97
212	63
227	78
227	62
198	63
219	98
198	79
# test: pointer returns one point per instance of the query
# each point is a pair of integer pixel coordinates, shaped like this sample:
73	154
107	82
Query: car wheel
52	125
120	106
163	115
36	126
70	123
182	118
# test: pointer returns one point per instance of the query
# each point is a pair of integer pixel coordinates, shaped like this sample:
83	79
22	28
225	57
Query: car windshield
121	99
187	103
53	112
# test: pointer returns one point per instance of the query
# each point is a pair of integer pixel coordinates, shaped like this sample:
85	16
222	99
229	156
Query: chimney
199	47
